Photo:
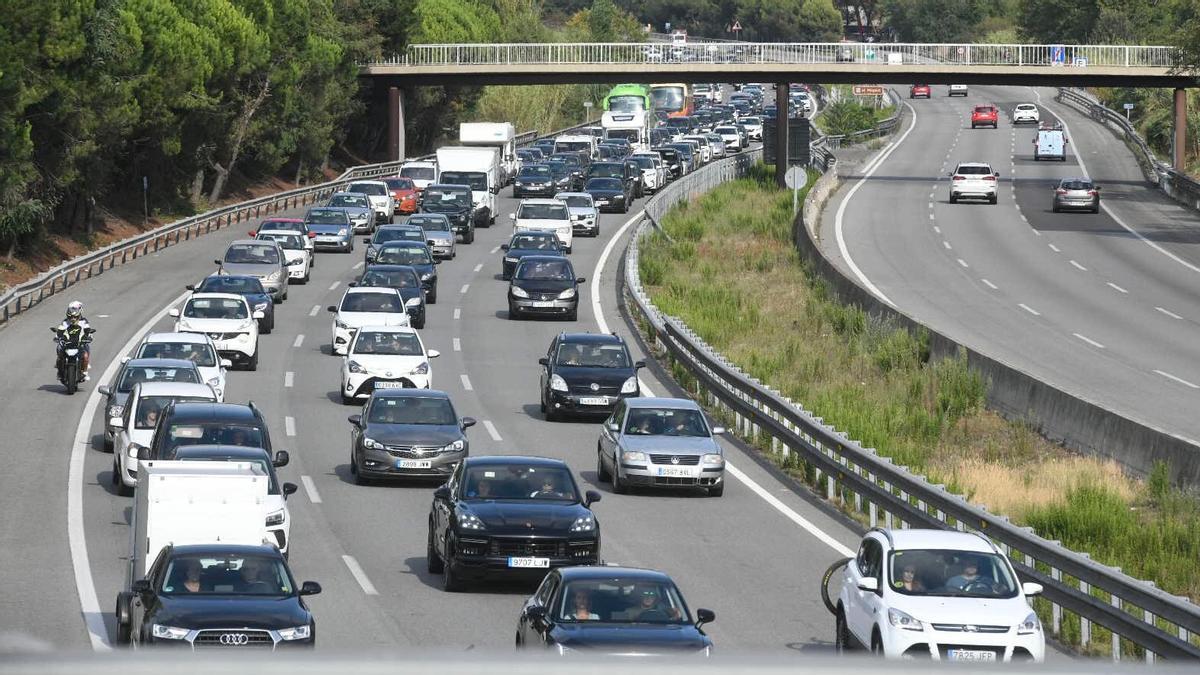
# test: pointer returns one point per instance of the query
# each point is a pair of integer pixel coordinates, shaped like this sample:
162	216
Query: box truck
500	135
478	167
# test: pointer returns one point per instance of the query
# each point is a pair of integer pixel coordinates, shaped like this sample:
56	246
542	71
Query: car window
592	355
412	410
326	217
944	572
459	198
644	162
621	601
350	201
400	183
131	376
216	308
411	234
974	171
387	343
372	189
223	283
402	278
290	242
199	353
418	172
519	482
261	462
543	212
230	574
149	408
554	270
478	181
546	591
401	255
261	254
535	243
211	433
540	171
431	224
607	171
604	184
666	422
386	234
372	302
1075	185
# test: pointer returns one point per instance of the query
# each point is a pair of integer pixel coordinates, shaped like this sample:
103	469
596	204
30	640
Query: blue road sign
1058	54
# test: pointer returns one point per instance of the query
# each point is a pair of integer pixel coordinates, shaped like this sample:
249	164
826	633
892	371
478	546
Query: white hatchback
1026	113
385	357
195	347
135	427
365	306
297	252
227	319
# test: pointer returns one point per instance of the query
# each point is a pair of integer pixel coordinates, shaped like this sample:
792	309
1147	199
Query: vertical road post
781	132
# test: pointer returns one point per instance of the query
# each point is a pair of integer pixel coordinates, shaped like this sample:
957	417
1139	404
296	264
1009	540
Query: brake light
252	233
312	235
1092	192
991	178
960	178
1060	192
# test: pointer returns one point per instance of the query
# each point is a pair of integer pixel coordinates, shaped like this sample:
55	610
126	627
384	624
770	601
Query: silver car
660	442
262	259
1076	194
585	217
358	208
438	234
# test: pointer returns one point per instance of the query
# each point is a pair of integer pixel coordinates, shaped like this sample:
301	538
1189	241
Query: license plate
528	562
543	303
593	400
389	385
971	655
413	464
674	471
601	202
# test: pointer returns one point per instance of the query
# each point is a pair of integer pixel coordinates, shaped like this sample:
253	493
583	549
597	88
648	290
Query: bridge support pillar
1179	160
395	124
781	132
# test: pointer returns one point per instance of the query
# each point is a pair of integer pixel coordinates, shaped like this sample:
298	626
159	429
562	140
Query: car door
609	439
869	564
143	606
533	631
123	439
443	510
546	369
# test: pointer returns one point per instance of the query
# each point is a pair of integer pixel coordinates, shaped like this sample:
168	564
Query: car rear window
369	189
1076	185
372	302
974	171
984	109
132	376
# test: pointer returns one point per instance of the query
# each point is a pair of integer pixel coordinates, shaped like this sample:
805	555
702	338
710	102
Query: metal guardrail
22	297
884	127
1096	595
962	54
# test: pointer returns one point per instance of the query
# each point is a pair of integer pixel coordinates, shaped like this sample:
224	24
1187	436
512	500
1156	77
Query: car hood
541	223
984	611
606	194
582	210
413	434
527	516
388	366
670	445
544	285
292	254
624	638
361	211
602	376
439	235
199	613
259	270
325	228
520	252
356	319
215	325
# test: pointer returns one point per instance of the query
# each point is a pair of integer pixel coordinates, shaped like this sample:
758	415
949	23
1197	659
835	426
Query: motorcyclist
72	329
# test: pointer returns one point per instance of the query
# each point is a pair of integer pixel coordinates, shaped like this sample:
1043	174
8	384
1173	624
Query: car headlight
901	620
456	446
427	276
372	443
509	259
274	276
469	521
520	292
630	385
356	367
275	518
1030	625
115	411
412	302
567	294
340	324
342	232
519	183
557	383
583	524
297	633
712	458
134	449
422	369
261	307
169	632
633	456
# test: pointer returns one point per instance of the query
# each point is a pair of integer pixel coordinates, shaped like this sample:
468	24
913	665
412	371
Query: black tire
542	402
602	474
841	633
433	561
876	645
252	364
450	582
358	477
71	378
717	490
1055	209
431	297
953	199
992	199
266	330
551	414
419	324
108	444
513	315
618	485
1096	210
347	400
124	618
470	236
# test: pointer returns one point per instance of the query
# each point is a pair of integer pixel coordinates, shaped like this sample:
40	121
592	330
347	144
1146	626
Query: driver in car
969	575
549	489
651	607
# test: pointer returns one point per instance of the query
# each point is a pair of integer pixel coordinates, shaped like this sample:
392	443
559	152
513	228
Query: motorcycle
70	355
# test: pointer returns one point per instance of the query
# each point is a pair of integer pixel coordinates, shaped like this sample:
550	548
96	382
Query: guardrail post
1085	626
1116	639
1148	617
1055	608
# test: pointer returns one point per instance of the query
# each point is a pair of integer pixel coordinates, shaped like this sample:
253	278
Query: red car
404	193
984	115
920	90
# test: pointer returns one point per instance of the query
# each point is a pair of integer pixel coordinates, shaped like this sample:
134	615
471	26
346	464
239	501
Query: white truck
577	143
480	168
630	126
500	135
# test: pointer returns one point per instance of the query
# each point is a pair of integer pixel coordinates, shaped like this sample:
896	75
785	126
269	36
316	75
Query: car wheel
601	473
108	444
618	485
953	199
1096	210
433	562
876	644
992	199
123	490
552	415
470	239
267	328
569	249
252	364
420	323
359	479
717	490
124	618
841	633
347	400
450	582
431	297
573	315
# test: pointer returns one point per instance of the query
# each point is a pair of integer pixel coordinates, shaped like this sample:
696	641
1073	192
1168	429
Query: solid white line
595	280
289	379
311	488
1169	313
989	284
947	245
491	429
299	340
1180	380
1029	309
333	287
788	512
1117	288
963	262
358	265
85	586
314	310
457	313
289	426
1078	266
1088	340
479	267
464	288
466	382
359	575
457	345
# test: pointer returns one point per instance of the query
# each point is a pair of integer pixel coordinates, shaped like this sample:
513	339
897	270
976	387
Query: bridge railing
957	54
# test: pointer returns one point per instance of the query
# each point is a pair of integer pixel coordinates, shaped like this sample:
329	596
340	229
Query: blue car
332	227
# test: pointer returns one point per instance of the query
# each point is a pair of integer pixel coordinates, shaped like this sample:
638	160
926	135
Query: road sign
1079	62
796	177
868	90
1128	106
962	50
737	25
1058	55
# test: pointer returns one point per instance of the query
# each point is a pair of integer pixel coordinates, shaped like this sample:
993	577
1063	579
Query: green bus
627	98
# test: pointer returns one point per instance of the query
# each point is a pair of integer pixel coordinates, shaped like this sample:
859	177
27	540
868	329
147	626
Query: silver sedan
439	234
660	442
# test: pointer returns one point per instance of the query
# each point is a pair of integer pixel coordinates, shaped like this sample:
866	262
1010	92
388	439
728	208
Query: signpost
868	90
796	178
587	110
1128	107
1058	55
737	29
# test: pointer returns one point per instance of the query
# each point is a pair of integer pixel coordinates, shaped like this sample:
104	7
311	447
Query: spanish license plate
389	385
593	400
674	471
971	655
601	202
528	562
413	464
543	303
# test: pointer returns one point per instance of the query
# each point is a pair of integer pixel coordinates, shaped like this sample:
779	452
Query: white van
1051	143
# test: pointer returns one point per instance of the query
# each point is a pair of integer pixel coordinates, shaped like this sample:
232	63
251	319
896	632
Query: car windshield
644	162
134	374
210	433
372	302
607	171
604	184
388	343
726	131
150	407
400	183
230	284
943	572
216	308
231	574
628	135
418	172
577	201
412	410
595	355
974	171
540	171
373	189
403	278
477	180
453	198
622	601
199	353
666	98
666	422
431	224
399	255
556	270
519	482
386	234
534	243
261	254
351	201
411	234
289	242
572	146
543	212
326	217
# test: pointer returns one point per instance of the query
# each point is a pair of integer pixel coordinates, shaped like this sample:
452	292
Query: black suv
587	373
510	516
456	202
219	596
197	423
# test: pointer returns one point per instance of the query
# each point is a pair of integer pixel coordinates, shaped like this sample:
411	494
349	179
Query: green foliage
847	116
789	20
1056	21
933	20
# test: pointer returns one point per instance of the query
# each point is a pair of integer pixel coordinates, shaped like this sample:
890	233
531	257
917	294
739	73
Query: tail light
312	235
960	178
252	233
991	178
1060	191
1093	193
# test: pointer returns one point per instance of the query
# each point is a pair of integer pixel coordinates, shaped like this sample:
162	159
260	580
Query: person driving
650	606
150	419
549	489
570	356
643	426
191	576
969	575
74	327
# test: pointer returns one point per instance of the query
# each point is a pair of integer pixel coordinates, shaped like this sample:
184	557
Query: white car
958	90
973	180
731	137
654	170
385	357
297	253
706	149
544	214
366	306
936	594
380	195
584	214
423	174
195	347
1026	113
227	319
753	126
135	426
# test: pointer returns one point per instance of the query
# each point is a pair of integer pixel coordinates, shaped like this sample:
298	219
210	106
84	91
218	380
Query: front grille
233	639
412	452
959	628
545	548
678	460
369	384
586	389
224	336
681	480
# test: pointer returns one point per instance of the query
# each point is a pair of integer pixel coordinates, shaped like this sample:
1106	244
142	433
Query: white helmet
75	310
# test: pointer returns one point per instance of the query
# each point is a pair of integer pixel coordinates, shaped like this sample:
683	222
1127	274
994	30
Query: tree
934	20
1056	21
601	19
819	21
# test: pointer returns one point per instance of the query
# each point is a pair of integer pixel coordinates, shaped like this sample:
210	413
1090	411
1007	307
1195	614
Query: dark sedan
406	280
510	516
687	155
383	235
609	194
407	433
534	242
416	255
544	285
218	596
246	286
536	180
564	179
612	611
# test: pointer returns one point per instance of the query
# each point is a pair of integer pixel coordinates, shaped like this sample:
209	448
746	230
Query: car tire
108	444
602	474
569	249
266	329
433	562
347	400
618	485
1055	209
513	315
469	238
717	490
419	324
359	479
431	297
953	199
450	582
876	645
841	633
124	618
551	414
992	199
252	364
573	315
1096	210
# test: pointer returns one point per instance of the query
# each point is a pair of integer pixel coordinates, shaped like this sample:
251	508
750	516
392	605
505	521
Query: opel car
407	433
973	180
404	194
263	260
332	228
544	214
385	357
920	90
198	348
660	442
371	306
227	319
405	279
545	286
358	207
1026	113
136	423
297	252
586	373
1076	194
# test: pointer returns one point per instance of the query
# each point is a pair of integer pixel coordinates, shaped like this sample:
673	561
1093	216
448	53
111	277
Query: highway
751	556
1102	306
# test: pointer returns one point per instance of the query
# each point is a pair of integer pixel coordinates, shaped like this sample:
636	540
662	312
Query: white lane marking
457	313
491	429
989	284
358	265
1169	313
1117	288
1016	206
466	382
1024	219
1054	248
289	379
299	340
102	316
1078	266
947	245
931	204
937	229
464	288
479	267
495	249
595	280
334	285
457	345
85	586
359	575
788	512
963	262
1029	309
311	489
314	310
1088	340
1180	380
289	426
931	217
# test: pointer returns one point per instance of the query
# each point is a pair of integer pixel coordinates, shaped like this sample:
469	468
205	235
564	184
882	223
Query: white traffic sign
737	25
796	178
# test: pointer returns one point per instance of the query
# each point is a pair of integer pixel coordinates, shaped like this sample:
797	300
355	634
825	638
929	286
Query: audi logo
234	639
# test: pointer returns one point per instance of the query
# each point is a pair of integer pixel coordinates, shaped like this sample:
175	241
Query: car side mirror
996	174
612	426
310	588
289	489
503	247
869	584
704	616
1031	588
143	453
116	423
356	420
718	430
253	233
590	497
217	261
1096	188
442	494
433	353
580	280
104	390
173	312
141	586
352	284
190	287
281	459
639	364
331	308
536	612
544	361
259	314
468	422
226	364
512	216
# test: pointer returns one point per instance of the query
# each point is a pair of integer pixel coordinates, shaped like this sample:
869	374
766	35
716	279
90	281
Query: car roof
386	329
367	181
358	290
251	242
589	338
510	460
206	450
544	234
175	389
938	539
560	195
418	162
158	363
423	216
1068	179
662	402
543	201
409	393
351	193
545	258
267	550
283	220
982	164
207	412
584	572
177	336
456	186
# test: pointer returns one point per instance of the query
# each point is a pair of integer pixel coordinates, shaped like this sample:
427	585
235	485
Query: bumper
362	226
340	339
383	214
584	226
297	271
543	307
1025	120
275	289
442	250
526	190
128	466
407	206
585	404
381	464
269	642
1076	204
973	194
491	565
332	243
945	645
238	348
671	476
611	206
359	385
